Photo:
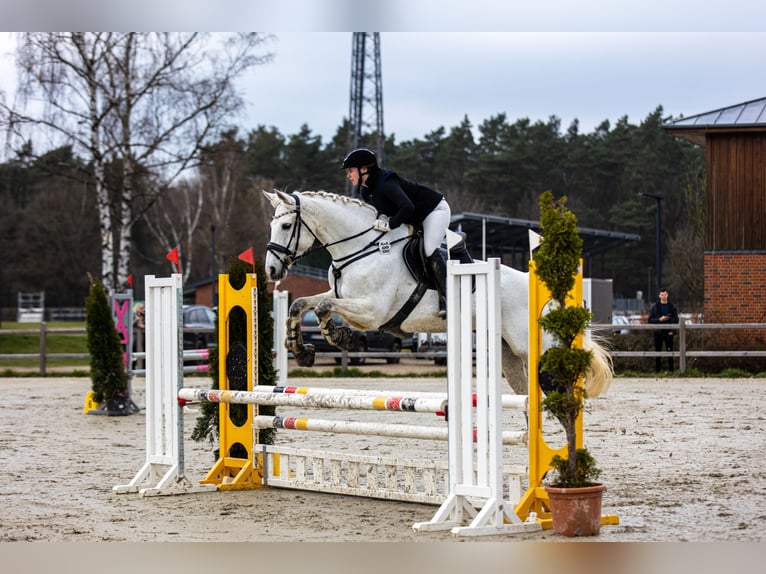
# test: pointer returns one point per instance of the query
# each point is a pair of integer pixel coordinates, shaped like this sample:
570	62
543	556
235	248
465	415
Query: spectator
138	333
663	312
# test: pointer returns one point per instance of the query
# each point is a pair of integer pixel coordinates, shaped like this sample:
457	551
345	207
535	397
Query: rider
404	201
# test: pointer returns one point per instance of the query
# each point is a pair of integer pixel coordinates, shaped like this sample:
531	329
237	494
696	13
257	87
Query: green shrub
556	264
107	372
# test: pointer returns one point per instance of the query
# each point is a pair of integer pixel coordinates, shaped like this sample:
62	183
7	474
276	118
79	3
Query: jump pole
374	429
402	403
475	473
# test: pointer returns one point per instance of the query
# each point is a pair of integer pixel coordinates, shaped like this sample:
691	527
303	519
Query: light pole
213	269
658	199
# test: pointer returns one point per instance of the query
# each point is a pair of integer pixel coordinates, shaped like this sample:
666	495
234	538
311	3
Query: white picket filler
163	471
475	469
280	300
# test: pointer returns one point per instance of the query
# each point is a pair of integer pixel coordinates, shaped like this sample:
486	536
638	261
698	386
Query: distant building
735	244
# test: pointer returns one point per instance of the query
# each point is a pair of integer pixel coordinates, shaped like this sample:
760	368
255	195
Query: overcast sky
433	79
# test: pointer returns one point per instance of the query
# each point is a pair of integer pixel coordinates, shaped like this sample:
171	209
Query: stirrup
441	313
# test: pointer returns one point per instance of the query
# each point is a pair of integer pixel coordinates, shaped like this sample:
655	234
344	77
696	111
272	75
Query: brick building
735	246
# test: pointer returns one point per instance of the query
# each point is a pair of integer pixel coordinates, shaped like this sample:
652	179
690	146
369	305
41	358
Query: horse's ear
272	197
284	197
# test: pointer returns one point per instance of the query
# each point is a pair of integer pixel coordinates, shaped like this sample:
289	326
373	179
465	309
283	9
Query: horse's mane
340	199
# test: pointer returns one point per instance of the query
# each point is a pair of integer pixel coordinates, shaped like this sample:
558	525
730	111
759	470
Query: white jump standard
163	471
475	473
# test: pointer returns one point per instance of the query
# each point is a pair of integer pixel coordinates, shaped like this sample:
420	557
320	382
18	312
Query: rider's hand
381	225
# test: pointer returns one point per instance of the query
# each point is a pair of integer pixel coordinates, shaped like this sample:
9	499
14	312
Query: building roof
746	116
509	235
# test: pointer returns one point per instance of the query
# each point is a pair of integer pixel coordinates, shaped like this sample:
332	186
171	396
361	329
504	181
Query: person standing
404	201
663	312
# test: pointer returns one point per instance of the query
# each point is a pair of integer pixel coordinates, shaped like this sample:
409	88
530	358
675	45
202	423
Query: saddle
415	259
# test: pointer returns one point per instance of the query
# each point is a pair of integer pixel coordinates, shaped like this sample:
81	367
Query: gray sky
435	79
688	57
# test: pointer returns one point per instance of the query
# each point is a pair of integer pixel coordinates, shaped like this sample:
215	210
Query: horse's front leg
339	335
304	354
357	312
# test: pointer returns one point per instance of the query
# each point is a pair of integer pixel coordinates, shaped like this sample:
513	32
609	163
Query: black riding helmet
361	157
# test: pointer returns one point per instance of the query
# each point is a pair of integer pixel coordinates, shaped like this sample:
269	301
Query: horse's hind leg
514	370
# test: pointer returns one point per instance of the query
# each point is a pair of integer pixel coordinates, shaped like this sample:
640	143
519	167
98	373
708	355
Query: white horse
370	283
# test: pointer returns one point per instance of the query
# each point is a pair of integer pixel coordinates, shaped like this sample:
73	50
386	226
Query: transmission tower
366	101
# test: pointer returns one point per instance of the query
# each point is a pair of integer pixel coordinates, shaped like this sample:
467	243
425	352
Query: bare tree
175	218
144	103
687	245
214	190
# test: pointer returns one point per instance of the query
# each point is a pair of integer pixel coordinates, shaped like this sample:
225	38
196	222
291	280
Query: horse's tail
599	377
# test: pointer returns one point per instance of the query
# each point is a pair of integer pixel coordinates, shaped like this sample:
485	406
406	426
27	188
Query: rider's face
354	174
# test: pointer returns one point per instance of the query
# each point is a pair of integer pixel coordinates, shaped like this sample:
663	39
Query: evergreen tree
107	373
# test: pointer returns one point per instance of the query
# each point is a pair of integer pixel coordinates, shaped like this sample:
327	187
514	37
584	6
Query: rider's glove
381	225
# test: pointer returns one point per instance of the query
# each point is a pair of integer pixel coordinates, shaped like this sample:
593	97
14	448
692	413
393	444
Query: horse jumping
370	283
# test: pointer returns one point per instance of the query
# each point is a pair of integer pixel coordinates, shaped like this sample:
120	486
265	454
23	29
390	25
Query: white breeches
434	227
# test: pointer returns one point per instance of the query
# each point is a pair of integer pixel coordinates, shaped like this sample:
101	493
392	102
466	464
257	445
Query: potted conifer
563	365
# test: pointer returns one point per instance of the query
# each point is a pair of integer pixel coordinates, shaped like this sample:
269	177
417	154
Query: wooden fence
683	329
683	353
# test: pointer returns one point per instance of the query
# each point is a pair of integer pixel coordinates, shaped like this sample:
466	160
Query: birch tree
143	104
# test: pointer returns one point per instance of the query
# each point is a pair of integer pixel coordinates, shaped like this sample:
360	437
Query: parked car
426	342
620	320
376	341
199	327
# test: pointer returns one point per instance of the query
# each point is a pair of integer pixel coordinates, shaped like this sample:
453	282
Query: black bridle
288	256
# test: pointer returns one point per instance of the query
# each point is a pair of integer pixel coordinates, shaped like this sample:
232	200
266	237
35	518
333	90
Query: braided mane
341	198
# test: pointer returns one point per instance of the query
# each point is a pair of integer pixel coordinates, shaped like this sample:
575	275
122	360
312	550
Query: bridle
283	253
288	256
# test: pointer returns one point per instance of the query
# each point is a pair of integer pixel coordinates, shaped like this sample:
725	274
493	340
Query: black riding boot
438	268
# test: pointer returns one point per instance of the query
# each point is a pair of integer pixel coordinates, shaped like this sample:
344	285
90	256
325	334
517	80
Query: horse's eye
287	226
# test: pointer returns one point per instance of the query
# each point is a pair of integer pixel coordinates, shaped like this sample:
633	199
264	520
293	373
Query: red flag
248	257
173	256
130	281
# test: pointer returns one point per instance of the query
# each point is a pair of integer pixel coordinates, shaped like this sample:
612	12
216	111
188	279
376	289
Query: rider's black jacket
401	200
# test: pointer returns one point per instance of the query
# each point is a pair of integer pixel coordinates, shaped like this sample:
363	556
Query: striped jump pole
374	429
515	402
321	401
188	355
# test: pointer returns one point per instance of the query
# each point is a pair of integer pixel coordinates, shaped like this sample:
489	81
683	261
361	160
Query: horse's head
340	224
287	241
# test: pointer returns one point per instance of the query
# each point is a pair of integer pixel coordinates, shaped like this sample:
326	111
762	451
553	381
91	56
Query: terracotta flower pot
576	511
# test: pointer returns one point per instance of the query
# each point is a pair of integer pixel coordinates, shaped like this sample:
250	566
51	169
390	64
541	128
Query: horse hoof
306	358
